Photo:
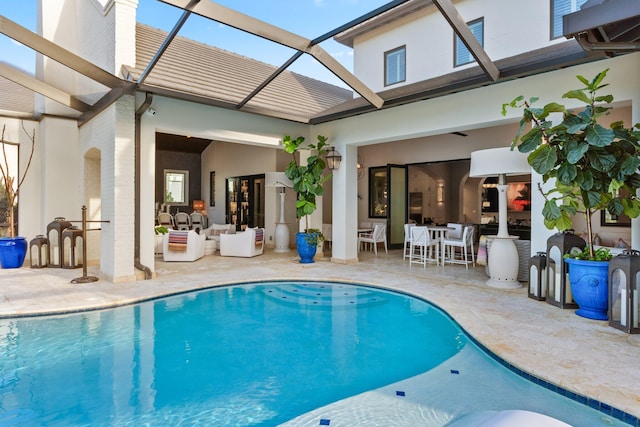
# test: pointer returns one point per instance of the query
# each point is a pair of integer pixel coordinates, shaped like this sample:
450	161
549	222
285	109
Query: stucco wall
429	39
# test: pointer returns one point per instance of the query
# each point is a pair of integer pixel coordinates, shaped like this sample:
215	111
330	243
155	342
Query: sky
307	18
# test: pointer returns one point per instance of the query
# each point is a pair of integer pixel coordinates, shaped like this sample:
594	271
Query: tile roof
196	71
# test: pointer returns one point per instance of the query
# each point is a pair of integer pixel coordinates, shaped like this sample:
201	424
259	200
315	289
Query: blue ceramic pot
12	252
590	287
306	251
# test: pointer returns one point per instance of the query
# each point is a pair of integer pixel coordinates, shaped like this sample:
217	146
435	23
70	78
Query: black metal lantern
558	285
54	235
538	276
333	159
39	251
624	301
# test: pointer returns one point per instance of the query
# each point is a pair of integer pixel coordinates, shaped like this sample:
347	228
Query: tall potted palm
594	168
13	249
308	180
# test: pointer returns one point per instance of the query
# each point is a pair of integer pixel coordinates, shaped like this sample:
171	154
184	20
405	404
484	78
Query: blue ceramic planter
306	251
12	252
590	287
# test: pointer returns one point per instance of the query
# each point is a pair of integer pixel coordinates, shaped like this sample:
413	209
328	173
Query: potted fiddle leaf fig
308	180
13	249
594	167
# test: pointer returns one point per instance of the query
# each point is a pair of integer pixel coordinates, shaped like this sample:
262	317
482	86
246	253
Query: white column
345	206
315	219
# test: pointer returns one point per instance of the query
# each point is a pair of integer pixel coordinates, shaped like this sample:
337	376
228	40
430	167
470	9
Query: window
395	66
559	8
462	55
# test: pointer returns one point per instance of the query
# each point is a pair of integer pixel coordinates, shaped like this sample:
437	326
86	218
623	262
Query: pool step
322	295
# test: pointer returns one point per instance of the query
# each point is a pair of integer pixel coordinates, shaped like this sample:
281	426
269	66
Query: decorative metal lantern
538	276
54	236
558	285
39	251
624	290
72	247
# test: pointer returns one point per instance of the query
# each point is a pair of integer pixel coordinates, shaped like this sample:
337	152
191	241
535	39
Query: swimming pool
256	355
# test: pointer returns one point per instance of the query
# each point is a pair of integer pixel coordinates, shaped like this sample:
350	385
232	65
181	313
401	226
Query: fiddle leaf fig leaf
578	94
602	161
531	140
576	152
543	159
575	124
564	222
592	199
631	207
599	136
615	207
552	107
585	180
551	211
567	172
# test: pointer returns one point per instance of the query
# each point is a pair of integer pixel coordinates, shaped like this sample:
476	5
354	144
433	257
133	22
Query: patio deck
584	356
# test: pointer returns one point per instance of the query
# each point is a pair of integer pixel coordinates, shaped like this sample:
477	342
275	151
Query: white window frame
395	60
462	55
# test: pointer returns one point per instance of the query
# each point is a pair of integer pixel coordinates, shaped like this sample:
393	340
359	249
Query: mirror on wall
176	187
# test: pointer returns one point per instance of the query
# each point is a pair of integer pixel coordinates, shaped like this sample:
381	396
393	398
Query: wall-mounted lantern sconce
440	193
333	159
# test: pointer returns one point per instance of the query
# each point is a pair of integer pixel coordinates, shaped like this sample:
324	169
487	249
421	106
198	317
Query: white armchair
248	243
183	245
213	233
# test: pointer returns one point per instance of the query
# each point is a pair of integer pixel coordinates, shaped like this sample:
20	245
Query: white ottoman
210	246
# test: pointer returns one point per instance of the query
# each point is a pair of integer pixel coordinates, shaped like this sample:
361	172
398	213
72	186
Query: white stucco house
425	73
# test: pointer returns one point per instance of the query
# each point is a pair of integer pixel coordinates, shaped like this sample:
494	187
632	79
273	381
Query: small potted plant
308	182
13	249
594	168
160	231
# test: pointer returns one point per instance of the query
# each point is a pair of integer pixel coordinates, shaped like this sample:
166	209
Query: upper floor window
462	55
395	66
559	8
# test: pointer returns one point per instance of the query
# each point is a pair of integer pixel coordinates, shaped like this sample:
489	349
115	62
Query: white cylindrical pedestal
503	263
281	238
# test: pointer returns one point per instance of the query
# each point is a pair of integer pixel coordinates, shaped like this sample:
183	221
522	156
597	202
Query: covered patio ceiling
83	107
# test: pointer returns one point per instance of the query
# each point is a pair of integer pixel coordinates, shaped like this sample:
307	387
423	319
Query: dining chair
197	221
182	220
166	220
464	244
428	247
456	230
327	233
407	240
378	235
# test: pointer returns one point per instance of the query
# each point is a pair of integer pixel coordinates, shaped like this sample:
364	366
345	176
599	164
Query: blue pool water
247	355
